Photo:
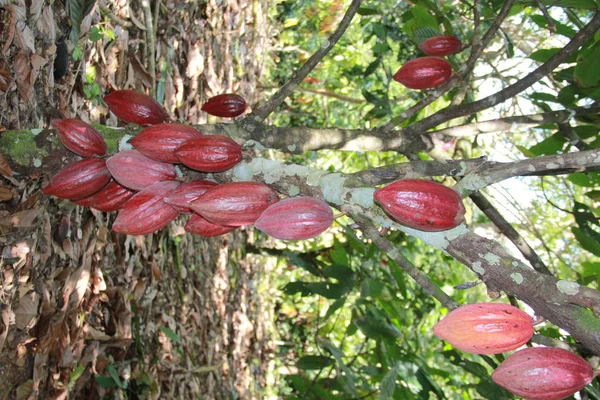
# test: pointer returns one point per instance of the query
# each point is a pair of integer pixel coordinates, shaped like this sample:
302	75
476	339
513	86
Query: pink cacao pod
181	198
543	373
201	227
485	328
110	198
209	153
225	105
146	212
135	171
295	218
442	45
135	107
424	73
159	142
79	137
235	204
421	204
80	179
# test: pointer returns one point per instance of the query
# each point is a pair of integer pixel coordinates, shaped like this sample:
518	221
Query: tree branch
261	112
500	97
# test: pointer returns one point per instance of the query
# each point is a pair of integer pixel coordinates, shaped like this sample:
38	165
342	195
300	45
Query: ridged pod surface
134	170
424	73
79	137
543	373
226	105
441	45
209	153
421	204
235	204
295	218
201	227
135	107
79	180
110	198
485	328
187	192
160	141
146	212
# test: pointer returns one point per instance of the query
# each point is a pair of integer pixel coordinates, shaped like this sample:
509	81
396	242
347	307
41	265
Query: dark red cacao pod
442	45
135	171
235	204
135	107
181	198
543	373
209	153
201	227
160	141
295	218
79	137
225	105
146	212
424	73
421	204
110	198
79	180
485	328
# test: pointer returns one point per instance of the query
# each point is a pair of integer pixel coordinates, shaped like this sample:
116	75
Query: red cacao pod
80	179
160	141
424	73
209	153
442	45
79	137
146	212
110	198
235	204
225	105
181	198
421	204
201	227
543	373
135	107
295	218
485	328
135	171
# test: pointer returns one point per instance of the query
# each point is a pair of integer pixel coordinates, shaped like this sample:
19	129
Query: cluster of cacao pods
430	71
537	373
142	183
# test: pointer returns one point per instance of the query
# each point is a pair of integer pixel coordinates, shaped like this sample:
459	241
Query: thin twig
549	20
569	133
150	43
261	112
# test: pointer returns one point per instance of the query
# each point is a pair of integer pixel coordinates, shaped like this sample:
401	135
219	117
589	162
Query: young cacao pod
201	227
110	198
209	153
421	204
424	73
79	180
235	204
146	212
135	107
442	45
187	192
135	171
159	142
295	218
543	373
485	328
225	105
79	137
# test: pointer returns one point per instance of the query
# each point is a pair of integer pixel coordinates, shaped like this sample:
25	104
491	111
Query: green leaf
561	28
112	371
594	195
365	11
587	69
583	4
544	55
328	290
525	151
336	305
541	96
510	46
374	66
339	272
76	374
582	179
105	381
388	384
314	362
586	241
424	33
423	17
338	254
95	34
303	262
376	328
170	334
381	48
551	145
344	375
77	10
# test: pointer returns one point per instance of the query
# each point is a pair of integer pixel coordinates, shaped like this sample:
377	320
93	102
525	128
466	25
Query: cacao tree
432	127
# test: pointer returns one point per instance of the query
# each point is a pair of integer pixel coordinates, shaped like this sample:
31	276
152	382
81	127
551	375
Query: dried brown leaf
4	321
23	74
5	78
5	169
8	32
26	312
21	219
24	37
5	193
